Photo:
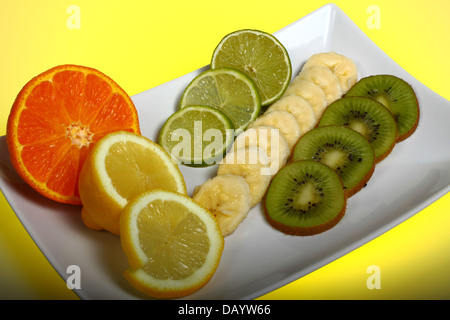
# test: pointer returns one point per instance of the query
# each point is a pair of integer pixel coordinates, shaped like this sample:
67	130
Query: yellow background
142	44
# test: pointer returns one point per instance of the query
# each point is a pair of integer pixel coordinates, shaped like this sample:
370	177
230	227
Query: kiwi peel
367	116
305	198
344	150
396	95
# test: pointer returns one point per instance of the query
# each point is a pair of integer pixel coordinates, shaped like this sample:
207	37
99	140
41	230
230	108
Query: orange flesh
56	119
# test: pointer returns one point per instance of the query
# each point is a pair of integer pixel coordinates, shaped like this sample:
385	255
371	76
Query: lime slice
261	57
197	136
227	90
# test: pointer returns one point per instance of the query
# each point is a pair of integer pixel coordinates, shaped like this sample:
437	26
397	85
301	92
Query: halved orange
55	120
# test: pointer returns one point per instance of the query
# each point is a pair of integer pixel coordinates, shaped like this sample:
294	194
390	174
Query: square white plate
257	258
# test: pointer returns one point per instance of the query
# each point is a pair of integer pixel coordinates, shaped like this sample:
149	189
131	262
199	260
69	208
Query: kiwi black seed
396	95
305	198
367	116
344	150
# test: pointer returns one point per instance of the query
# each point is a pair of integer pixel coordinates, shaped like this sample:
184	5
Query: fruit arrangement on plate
299	147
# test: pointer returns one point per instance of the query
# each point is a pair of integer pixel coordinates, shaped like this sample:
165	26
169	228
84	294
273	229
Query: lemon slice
197	136
227	90
260	56
172	243
119	167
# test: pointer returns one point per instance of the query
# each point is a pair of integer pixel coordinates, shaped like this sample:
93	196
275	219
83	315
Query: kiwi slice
396	95
344	150
305	198
367	116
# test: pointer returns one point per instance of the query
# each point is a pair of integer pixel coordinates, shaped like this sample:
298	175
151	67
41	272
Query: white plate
257	258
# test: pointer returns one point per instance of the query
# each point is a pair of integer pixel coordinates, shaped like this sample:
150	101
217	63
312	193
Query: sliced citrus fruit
227	90
118	168
260	56
55	120
172	243
197	135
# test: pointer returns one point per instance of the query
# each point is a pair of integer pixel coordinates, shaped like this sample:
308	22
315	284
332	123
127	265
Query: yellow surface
141	44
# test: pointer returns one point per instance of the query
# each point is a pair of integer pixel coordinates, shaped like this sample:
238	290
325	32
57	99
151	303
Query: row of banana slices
244	174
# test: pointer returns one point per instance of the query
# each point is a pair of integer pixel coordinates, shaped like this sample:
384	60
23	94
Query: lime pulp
197	136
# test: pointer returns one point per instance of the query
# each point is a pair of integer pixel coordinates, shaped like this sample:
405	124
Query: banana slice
268	138
284	121
253	164
228	198
311	92
325	79
343	67
299	108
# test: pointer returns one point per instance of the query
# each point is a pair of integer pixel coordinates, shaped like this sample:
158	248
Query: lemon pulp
172	243
133	169
165	227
